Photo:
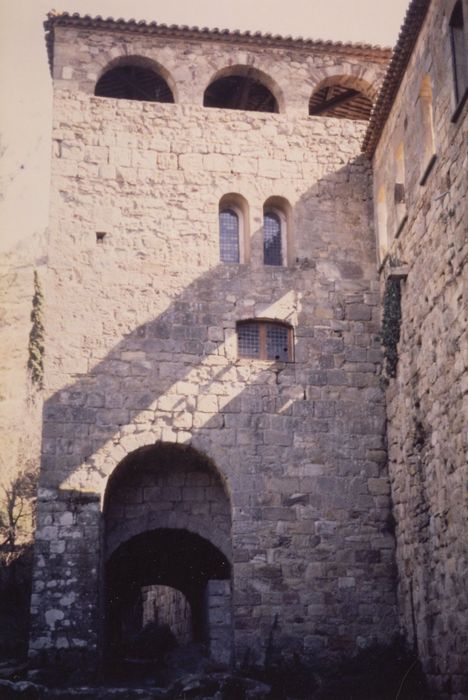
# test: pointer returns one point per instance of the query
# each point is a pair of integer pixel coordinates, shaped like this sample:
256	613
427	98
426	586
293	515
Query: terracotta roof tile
409	33
65	19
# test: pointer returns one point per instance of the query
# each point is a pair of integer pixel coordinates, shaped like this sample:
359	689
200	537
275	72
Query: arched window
133	82
399	193
382	223
272	238
459	41
241	87
234	229
229	236
277	232
341	97
265	340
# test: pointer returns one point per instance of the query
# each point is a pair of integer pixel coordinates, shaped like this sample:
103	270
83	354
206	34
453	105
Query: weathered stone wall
425	402
219	620
141	341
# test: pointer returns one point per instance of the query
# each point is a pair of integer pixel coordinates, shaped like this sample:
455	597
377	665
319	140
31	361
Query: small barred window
272	253
264	340
229	236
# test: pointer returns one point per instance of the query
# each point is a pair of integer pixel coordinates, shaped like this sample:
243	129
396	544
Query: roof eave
65	19
407	39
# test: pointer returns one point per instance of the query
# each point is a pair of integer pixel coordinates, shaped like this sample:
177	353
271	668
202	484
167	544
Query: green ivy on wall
36	336
391	325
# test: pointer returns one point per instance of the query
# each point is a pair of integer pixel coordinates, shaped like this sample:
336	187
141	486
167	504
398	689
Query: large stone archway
167	542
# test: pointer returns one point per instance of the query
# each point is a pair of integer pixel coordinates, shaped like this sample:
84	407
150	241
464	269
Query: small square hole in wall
100	236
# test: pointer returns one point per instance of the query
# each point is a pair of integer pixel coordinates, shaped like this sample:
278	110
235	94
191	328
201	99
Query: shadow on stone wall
326	408
152	359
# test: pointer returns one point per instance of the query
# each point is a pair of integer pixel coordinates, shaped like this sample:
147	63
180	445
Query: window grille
264	340
277	342
272	254
229	236
248	338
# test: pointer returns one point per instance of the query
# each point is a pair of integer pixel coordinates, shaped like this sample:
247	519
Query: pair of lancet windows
229	236
232	245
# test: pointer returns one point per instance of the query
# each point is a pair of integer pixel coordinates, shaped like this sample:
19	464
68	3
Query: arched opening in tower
167	571
240	92
340	102
133	82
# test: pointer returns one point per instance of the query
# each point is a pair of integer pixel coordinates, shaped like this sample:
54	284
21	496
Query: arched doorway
167	571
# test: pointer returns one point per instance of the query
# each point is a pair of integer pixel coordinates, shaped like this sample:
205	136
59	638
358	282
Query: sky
25	107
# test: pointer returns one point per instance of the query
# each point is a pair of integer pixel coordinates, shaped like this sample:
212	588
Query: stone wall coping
409	32
66	19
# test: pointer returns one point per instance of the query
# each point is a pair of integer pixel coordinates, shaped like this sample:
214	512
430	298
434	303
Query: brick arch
142	61
166	485
250	71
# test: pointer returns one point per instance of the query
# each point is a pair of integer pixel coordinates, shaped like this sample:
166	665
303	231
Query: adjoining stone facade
426	402
141	339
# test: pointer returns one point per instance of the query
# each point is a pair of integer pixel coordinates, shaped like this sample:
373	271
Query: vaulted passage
167	569
158	586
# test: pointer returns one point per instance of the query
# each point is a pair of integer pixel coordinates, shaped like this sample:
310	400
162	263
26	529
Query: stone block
216	162
358	312
379	487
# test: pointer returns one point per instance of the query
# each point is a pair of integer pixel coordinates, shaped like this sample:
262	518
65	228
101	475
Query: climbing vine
391	325
36	336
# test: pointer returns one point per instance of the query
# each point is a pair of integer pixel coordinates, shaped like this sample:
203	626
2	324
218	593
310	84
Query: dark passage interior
136	573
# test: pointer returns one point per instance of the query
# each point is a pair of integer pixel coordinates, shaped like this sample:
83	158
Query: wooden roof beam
338	100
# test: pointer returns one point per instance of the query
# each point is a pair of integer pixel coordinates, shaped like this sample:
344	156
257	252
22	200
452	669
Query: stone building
231	216
417	140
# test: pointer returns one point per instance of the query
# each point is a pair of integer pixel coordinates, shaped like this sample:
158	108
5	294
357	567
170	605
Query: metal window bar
228	236
248	340
277	342
272	254
264	341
